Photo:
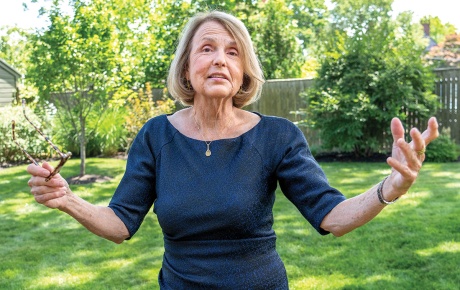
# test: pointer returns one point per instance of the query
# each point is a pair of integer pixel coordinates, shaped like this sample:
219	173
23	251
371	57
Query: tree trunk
82	146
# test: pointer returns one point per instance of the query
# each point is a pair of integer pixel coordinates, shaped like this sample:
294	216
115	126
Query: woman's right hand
100	220
53	193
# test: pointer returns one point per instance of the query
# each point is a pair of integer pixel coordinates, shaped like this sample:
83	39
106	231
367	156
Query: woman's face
215	66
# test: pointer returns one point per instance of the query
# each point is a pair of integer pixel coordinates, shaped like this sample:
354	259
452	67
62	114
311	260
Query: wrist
383	193
68	201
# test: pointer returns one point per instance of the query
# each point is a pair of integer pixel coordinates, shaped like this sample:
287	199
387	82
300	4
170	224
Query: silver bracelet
380	194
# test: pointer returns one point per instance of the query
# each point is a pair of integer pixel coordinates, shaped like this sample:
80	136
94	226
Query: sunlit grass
446	247
413	244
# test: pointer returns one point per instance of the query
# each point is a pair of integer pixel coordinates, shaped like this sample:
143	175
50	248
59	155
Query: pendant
208	151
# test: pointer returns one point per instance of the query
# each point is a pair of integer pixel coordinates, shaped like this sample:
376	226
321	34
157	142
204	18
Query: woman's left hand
407	158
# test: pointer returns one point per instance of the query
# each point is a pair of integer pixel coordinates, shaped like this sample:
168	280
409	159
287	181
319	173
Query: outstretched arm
56	193
406	161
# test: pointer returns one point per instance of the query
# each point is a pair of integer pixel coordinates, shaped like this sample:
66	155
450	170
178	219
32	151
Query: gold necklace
208	143
208	151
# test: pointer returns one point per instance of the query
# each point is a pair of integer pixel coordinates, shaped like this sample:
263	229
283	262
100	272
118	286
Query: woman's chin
218	93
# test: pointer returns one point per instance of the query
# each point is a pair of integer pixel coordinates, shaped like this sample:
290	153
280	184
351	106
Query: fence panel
281	98
448	89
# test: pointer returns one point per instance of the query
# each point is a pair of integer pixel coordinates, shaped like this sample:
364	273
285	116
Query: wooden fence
281	98
448	90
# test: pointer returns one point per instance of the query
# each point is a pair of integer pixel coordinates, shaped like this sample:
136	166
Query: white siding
8	84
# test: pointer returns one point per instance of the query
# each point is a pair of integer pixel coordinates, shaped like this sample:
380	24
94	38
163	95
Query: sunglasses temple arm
58	168
38	130
20	147
28	156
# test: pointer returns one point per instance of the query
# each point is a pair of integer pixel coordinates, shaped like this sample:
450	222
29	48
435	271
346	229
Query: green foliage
282	31
26	135
140	107
284	34
165	23
274	35
372	71
106	133
442	149
14	47
77	63
110	134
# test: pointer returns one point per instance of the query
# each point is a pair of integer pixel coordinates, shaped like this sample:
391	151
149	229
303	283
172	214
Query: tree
74	64
282	32
276	42
165	23
371	72
15	49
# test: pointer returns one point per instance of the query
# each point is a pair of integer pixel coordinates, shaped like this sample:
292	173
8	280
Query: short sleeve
135	194
304	183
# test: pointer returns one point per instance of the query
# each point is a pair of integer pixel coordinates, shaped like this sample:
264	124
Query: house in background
426	34
9	80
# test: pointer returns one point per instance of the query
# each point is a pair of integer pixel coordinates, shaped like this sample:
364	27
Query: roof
431	43
9	69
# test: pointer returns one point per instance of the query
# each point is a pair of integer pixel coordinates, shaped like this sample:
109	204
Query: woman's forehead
213	31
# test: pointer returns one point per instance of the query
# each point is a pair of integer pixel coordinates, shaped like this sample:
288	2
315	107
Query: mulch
88	178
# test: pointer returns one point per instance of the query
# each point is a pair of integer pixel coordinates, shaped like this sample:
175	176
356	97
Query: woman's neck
213	120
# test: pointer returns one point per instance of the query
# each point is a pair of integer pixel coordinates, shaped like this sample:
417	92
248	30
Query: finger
36	181
35	170
405	172
412	162
412	151
47	166
418	143
397	129
46	196
45	189
431	132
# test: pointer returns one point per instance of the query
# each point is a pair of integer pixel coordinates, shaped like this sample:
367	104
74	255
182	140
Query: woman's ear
246	82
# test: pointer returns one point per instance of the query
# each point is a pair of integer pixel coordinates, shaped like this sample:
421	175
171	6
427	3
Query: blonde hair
253	78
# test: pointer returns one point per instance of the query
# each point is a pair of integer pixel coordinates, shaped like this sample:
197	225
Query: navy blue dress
216	212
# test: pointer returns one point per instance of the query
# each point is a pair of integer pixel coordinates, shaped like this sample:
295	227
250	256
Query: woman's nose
219	58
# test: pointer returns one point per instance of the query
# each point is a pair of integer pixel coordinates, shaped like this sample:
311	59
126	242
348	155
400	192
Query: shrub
110	134
371	72
105	133
26	135
443	149
141	106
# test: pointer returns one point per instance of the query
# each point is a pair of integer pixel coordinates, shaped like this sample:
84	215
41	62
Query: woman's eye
233	52
206	49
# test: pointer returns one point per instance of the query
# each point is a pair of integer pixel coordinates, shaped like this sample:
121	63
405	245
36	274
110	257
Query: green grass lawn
413	244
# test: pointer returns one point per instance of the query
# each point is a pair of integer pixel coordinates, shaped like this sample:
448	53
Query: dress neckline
217	140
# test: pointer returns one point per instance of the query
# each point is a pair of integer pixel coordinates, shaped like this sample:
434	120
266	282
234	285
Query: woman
211	171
